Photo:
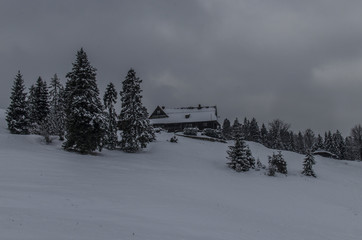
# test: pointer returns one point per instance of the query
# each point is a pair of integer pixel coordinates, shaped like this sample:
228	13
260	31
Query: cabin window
187	116
158	112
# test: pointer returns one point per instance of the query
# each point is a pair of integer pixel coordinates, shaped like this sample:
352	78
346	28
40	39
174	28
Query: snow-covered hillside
170	191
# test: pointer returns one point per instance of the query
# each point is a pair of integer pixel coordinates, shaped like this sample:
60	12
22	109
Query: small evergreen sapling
271	169
238	156
278	162
174	139
308	165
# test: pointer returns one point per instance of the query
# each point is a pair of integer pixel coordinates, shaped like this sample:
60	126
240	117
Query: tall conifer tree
109	99
56	113
136	129
39	106
17	113
84	111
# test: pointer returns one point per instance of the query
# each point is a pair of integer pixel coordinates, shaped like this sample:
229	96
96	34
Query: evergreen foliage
318	145
236	128
56	113
254	131
83	108
300	147
39	107
271	170
238	154
109	99
309	139
339	145
291	144
277	160
329	144
308	165
278	134
264	135
356	137
245	129
226	129
17	113
136	129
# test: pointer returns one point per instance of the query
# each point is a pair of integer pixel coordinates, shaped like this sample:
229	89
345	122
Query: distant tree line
277	135
76	114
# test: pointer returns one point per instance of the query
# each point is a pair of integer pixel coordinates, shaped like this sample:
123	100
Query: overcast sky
300	61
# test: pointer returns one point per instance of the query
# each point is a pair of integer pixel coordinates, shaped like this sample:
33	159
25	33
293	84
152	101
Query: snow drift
172	191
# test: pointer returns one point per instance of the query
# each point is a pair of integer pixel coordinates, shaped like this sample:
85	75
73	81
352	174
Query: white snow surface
178	115
170	191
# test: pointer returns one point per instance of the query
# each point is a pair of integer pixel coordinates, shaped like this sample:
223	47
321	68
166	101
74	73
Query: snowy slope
170	191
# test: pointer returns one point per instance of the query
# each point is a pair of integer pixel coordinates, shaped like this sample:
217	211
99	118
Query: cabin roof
187	115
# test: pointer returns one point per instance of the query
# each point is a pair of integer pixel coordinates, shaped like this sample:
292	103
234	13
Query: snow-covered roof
185	115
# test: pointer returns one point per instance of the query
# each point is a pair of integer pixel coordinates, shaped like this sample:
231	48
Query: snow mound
172	191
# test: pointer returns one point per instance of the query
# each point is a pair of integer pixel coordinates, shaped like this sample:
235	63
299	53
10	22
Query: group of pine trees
77	113
278	136
242	160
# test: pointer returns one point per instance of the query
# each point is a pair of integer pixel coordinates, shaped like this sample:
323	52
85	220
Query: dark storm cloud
295	60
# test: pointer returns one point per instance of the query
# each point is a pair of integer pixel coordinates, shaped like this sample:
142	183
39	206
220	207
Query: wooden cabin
176	119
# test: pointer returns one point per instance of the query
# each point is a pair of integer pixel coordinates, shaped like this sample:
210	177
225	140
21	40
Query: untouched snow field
170	191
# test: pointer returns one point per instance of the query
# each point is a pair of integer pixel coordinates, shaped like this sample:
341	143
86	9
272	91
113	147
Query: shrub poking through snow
174	139
271	170
308	165
240	159
278	162
259	165
214	133
191	131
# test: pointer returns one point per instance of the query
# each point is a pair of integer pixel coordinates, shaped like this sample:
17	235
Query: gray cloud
299	61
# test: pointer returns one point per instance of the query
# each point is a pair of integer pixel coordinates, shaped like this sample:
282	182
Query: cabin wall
177	127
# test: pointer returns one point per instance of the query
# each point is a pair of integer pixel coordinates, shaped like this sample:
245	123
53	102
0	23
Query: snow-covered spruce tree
237	154
339	145
236	127
250	157
17	113
278	162
39	106
329	144
318	145
109	99
84	119
271	169
56	112
308	165
264	135
226	129
137	131
300	147
245	129
254	131
309	139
